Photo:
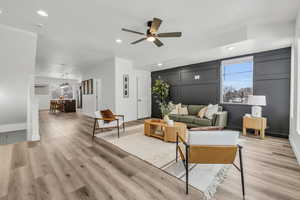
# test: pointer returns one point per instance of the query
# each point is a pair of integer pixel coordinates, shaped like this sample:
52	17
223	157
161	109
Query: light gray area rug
205	178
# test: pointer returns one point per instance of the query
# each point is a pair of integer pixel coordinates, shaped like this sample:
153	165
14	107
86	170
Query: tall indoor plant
160	91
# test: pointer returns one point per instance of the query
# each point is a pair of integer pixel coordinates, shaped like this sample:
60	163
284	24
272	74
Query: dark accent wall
271	78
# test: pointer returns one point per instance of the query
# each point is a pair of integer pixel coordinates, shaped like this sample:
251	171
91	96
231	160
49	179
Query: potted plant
166	109
160	91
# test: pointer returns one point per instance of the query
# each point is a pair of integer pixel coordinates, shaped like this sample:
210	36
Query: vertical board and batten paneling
271	78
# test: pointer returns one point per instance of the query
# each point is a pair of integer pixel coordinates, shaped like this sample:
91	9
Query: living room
150	100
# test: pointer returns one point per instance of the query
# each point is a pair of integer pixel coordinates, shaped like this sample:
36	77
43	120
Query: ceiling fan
151	33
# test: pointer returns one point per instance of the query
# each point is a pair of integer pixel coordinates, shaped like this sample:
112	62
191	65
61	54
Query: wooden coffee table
160	129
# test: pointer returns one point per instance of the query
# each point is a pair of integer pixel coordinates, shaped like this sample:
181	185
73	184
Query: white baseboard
295	149
13	127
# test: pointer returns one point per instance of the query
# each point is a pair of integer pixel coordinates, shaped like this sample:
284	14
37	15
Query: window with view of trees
236	80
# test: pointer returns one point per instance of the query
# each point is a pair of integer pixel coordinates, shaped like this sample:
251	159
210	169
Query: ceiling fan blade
131	31
171	34
155	25
140	40
158	43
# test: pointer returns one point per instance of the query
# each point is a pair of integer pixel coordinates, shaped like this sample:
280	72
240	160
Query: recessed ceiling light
150	39
230	48
42	13
39	25
0	12
118	40
159	64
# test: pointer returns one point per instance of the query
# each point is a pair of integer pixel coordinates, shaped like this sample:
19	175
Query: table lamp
256	101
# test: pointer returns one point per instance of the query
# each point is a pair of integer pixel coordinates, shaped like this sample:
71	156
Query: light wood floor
66	164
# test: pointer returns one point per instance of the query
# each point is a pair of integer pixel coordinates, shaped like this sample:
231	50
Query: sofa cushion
194	109
202	112
202	122
175	111
183	110
186	118
211	110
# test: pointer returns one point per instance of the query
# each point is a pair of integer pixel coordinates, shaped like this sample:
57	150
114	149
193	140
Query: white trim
236	60
12	127
294	147
18	30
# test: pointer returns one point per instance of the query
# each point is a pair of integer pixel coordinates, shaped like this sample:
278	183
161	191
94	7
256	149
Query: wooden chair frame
96	126
208	154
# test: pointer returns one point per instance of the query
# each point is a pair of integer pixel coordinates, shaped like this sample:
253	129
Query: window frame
234	61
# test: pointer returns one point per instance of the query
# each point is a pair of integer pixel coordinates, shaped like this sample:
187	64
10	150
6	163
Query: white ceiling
81	34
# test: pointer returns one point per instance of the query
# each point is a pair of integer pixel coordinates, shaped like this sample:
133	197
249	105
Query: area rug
205	178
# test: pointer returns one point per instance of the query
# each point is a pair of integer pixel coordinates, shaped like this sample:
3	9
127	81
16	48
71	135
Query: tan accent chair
210	147
116	122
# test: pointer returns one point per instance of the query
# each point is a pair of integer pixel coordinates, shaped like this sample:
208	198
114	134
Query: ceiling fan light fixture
151	39
118	40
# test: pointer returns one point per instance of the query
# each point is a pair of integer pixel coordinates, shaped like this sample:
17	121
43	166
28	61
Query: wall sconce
197	77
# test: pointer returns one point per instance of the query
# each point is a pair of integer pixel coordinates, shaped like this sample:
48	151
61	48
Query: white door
143	97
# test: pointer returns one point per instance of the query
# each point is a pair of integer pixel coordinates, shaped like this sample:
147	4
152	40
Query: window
236	80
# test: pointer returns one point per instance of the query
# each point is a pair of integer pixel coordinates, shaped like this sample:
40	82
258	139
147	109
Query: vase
166	118
170	122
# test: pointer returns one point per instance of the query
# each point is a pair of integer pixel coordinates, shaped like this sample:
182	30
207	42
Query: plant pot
166	118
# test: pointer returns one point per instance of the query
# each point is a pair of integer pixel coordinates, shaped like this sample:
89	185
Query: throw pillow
107	114
202	112
211	110
175	111
183	110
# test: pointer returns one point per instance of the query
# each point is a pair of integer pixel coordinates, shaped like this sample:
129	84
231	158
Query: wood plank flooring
67	164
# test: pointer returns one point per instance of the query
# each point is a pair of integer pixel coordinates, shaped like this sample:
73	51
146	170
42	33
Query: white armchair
210	147
101	122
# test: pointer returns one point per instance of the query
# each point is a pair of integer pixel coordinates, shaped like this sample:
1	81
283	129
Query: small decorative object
170	122
86	87
166	118
197	77
83	87
247	115
90	84
166	109
256	101
126	86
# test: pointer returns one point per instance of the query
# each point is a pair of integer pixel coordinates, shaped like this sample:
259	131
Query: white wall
106	72
125	106
295	93
17	65
111	74
52	83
